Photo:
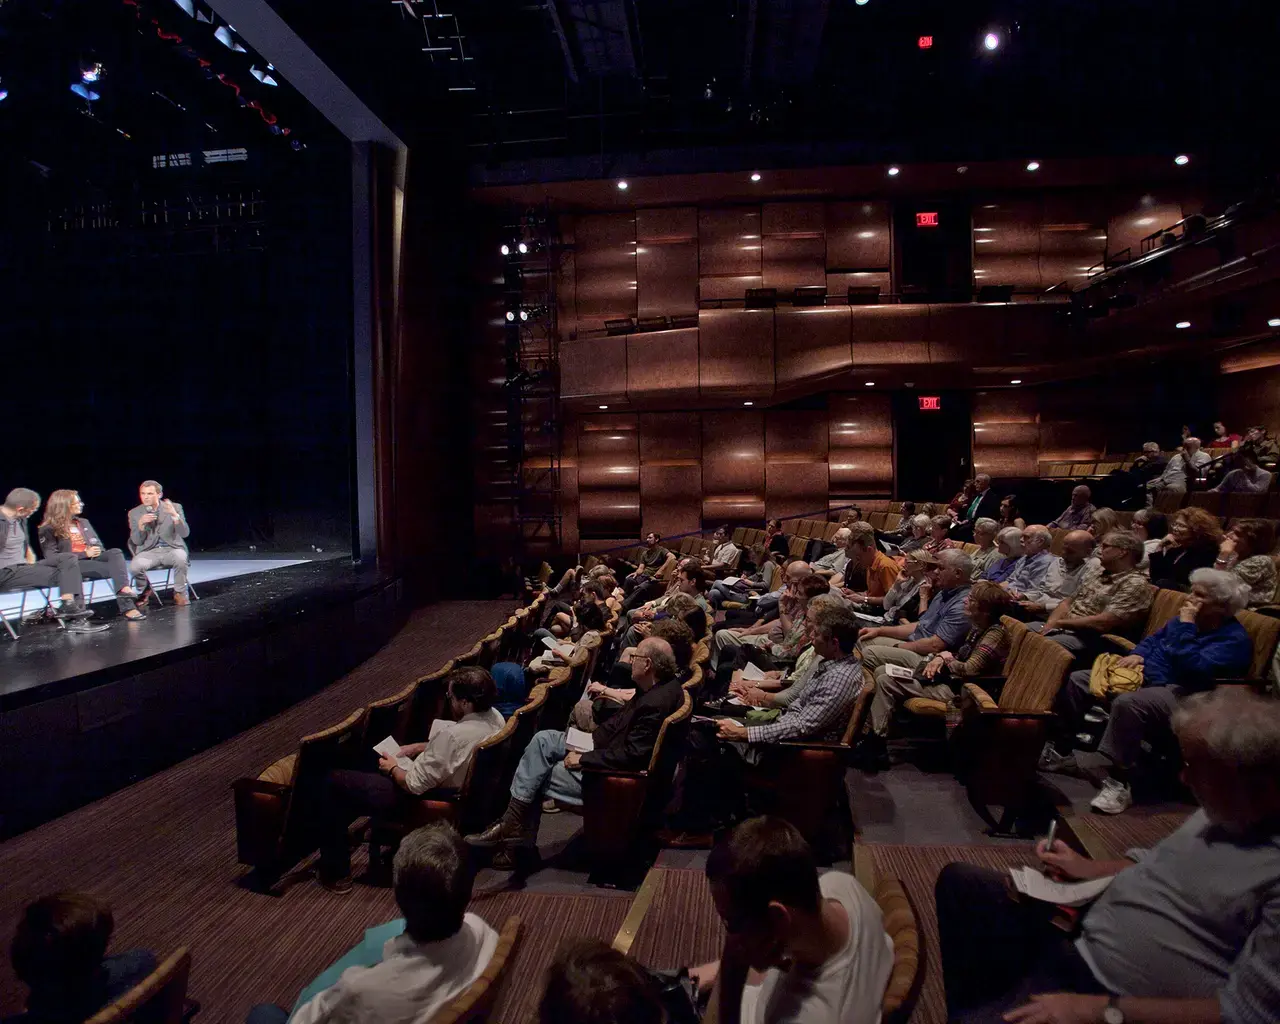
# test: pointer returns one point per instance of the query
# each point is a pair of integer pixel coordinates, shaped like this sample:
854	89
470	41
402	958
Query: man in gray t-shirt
1187	930
20	570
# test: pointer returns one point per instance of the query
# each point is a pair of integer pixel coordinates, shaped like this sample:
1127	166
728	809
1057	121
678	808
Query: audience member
439	763
980	653
984	535
939	528
724	553
985	504
64	531
1222	438
442	950
652	559
1151	527
902	602
1079	514
878	569
771	647
1009	514
689	580
1064	575
1009	547
743	587
1192	543
586	624
1246	551
600	700
834	564
1179	935
1246	478
1179	471
780	688
1113	597
799	947
919	533
1149	465
959	505
590	982
1263	446
59	952
903	532
548	768
775	541
1103	522
1202	644
766	605
19	569
1027	578
158	533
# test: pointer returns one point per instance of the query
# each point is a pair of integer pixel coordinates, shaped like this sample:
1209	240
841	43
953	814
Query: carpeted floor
1139	827
163	850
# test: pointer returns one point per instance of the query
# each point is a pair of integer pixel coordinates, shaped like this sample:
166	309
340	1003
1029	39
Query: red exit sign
931	403
927	219
925	42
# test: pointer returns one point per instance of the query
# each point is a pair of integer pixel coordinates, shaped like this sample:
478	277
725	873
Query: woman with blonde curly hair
1192	543
64	530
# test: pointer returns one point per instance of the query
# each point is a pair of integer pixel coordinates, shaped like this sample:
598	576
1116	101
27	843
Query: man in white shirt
1064	575
442	950
1179	470
799	948
440	763
724	552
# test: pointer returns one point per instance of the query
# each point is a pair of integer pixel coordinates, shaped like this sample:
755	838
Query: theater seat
622	811
802	779
476	1002
159	998
277	812
999	740
900	923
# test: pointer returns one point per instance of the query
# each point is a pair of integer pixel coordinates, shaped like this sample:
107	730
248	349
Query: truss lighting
991	41
505	250
224	36
83	91
264	76
511	315
187	6
524	316
522	248
91	72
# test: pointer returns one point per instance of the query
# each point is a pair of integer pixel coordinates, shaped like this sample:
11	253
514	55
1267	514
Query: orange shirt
880	577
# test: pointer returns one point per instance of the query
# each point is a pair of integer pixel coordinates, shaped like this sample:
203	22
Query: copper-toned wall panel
667	224
734	509
857	236
663	363
890	334
861	471
1006	242
1005	461
792	262
971	335
838	284
1073	237
733	453
605	267
609	513
729	241
671	498
860	421
1135	217
594	367
730	286
735	352
1012	405
800	218
1022	271
608	465
795	435
795	487
670	437
811	342
1251	398
1026	434
667	276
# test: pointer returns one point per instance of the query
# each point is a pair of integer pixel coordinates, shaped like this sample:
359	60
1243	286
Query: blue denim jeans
541	774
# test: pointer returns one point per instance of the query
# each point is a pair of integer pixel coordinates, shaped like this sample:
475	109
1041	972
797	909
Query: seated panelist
65	531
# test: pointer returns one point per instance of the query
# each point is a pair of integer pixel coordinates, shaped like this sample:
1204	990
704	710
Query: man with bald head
1064	575
622	742
1027	578
766	605
1079	514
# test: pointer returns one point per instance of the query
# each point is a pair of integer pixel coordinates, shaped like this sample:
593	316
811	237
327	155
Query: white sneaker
1114	798
1052	761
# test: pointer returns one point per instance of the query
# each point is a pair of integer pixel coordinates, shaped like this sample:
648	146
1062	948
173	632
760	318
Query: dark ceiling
808	81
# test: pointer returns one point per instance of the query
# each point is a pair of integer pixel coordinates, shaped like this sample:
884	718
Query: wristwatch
1112	1014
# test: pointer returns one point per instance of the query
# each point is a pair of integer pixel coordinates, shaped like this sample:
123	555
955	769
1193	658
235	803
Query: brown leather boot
180	599
509	830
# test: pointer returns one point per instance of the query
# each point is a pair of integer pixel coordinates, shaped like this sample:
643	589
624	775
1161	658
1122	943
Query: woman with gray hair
1193	651
919	534
1009	544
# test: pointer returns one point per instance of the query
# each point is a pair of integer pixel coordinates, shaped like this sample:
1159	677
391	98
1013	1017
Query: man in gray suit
158	539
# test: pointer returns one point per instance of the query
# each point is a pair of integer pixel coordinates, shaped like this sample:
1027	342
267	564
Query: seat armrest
1123	643
257	787
613	773
831	745
978	696
994	713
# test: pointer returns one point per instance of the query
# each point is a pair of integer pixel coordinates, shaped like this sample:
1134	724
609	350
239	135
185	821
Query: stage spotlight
522	248
82	90
1182	159
755	176
91	72
511	315
224	36
505	250
4	93
1182	325
187	6
860	3
1273	322
524	315
991	41
264	76
623	186
1033	165
893	172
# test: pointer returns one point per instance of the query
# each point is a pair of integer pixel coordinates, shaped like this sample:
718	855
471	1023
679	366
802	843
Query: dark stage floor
48	662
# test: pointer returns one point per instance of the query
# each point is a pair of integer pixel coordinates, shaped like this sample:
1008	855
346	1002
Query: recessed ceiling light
870	384
866	234
755	175
893	172
860	3
1016	380
962	169
748	403
991	41
623	186
1033	165
1182	159
909	384
1182	325
1274	322
604	407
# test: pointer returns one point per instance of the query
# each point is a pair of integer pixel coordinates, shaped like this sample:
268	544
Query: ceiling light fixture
962	169
1273	322
603	407
623	186
522	248
505	250
991	41
870	384
1033	165
1182	159
860	3
524	315
1016	380
893	172
755	175
1182	325
510	315
748	403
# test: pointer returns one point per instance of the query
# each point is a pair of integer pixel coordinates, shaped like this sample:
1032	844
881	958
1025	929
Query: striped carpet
1135	828
682	927
162	851
917	868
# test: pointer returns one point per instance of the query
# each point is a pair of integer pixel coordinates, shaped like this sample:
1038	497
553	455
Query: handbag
1106	679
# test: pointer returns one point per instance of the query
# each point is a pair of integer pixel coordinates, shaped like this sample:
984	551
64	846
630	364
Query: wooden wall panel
839	282
792	488
671	471
667	224
890	335
595	367
794	245
971	335
732	466
605	268
735	353
858	472
663	363
1250	398
608	462
1135	217
729	252
796	435
860	441
857	237
1006	432
796	444
670	438
812	342
667	261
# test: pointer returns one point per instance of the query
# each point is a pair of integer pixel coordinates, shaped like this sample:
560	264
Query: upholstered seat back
900	924
429	694
390	716
861	708
1264	631
1034	672
484	790
1164	606
159	998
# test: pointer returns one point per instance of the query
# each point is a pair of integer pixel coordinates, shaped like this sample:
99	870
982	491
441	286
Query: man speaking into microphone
158	539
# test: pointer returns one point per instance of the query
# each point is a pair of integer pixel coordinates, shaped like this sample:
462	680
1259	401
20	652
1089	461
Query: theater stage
83	715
